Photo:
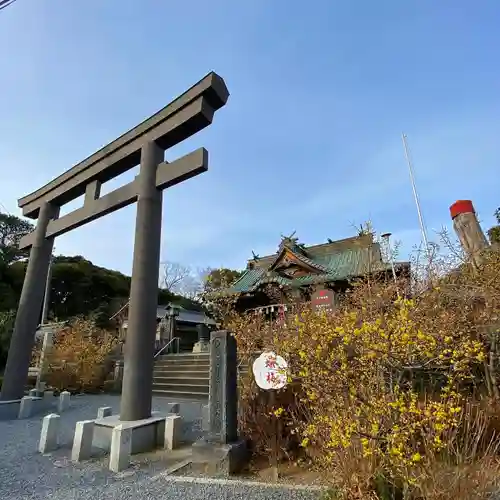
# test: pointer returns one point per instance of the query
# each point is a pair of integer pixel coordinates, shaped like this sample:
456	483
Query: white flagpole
415	195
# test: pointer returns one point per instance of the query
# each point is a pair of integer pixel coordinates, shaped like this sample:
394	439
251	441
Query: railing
170	342
271	308
160	343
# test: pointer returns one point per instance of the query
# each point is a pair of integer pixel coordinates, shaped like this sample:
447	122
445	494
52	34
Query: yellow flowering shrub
383	381
77	361
361	365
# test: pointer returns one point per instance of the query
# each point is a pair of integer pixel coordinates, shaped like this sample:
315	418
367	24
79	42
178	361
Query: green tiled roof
340	265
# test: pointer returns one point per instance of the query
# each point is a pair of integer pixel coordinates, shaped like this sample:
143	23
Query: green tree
78	287
494	232
12	229
9	295
7	319
221	278
217	303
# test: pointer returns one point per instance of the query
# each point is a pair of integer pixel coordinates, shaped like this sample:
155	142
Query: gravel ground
26	474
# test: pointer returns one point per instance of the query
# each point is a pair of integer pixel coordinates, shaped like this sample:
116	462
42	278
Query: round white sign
270	371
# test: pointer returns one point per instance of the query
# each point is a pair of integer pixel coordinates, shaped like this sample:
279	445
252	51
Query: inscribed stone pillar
141	332
223	396
48	341
29	309
219	453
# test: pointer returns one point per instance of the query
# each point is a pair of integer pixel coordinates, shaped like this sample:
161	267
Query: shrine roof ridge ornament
183	117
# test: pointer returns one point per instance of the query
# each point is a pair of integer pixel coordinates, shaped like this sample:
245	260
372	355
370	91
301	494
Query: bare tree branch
173	275
184	280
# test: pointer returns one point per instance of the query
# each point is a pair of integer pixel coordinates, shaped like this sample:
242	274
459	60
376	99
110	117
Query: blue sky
310	139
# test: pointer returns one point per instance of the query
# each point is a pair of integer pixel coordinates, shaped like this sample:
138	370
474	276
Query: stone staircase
182	376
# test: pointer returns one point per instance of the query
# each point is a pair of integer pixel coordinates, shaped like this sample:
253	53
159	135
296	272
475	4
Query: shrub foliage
391	394
78	360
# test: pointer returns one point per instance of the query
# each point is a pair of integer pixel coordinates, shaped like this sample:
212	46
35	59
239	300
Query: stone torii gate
145	145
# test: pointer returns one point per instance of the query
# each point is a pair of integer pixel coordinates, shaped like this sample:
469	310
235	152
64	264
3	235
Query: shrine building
319	274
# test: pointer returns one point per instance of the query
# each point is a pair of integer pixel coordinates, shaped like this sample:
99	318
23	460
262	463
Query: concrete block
104	411
64	401
205	418
201	346
26	407
9	410
173	408
147	434
173	432
219	460
33	393
82	441
49	437
121	448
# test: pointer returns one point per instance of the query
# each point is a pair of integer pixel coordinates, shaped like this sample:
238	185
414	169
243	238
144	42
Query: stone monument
220	452
203	344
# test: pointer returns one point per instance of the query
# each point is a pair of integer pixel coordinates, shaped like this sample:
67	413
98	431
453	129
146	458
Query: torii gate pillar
138	366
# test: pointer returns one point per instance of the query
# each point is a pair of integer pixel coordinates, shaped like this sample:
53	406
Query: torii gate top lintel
183	117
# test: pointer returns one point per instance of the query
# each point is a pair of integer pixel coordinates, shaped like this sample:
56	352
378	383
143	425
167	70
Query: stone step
182	369
187	355
182	363
176	378
182	376
194	385
183	358
179	395
179	377
187	387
